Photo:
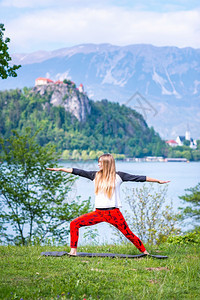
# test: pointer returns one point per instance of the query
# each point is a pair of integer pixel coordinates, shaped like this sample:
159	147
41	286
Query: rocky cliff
67	96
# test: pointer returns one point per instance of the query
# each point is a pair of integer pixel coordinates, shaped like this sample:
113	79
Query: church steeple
187	133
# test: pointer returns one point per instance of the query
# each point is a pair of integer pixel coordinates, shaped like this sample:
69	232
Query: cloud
25	3
148	5
49	3
51	29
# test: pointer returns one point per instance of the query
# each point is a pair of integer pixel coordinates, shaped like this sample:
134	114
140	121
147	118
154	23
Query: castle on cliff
44	81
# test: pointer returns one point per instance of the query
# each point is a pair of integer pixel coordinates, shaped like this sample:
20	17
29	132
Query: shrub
147	217
188	238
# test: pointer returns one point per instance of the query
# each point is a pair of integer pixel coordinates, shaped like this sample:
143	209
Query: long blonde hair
105	178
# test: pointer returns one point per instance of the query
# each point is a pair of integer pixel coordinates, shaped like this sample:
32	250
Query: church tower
187	133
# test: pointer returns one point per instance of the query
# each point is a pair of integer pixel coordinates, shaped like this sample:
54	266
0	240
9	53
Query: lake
181	175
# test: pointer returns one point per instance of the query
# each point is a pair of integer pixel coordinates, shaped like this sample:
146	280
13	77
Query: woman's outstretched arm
68	170
87	174
156	180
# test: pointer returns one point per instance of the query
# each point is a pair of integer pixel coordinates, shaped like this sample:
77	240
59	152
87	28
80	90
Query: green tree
99	153
76	154
5	69
66	154
34	200
92	154
186	143
147	215
196	155
193	210
84	155
187	154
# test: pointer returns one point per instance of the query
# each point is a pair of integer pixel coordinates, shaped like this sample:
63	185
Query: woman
107	200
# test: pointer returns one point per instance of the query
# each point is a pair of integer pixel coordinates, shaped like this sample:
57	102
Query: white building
180	140
172	143
81	88
43	81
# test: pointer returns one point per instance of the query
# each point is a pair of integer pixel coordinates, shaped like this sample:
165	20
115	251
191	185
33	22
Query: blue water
181	176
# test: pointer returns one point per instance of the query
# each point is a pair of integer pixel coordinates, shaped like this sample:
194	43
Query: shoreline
135	159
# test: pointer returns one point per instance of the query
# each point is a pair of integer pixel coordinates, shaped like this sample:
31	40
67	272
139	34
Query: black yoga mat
85	254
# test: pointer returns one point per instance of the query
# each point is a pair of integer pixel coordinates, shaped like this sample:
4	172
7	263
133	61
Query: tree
84	155
76	154
35	201
186	143
187	154
148	217
66	154
5	69
196	155
192	211
92	154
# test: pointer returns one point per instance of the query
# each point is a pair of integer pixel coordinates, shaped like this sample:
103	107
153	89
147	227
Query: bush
147	217
188	238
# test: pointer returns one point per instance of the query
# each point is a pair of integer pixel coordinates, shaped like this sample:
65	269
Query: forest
110	127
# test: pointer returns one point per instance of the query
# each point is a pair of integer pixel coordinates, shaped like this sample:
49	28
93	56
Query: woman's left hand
163	181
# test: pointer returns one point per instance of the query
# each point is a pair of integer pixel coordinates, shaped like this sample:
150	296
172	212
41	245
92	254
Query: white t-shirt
102	200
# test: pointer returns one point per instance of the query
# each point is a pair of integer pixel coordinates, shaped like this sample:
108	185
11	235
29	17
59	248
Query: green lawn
27	275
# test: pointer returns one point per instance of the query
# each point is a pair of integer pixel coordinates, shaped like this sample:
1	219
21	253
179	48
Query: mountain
64	115
162	83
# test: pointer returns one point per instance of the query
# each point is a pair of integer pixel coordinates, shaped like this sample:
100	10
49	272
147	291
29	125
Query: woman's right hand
68	170
54	169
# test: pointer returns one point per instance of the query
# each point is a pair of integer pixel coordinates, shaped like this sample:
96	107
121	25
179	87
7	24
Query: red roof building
81	88
43	81
172	143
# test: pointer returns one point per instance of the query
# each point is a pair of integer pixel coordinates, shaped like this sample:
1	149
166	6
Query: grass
26	275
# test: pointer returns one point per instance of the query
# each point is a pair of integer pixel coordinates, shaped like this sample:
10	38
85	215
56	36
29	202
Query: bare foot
145	252
73	252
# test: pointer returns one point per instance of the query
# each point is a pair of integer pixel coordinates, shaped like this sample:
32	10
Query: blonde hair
105	178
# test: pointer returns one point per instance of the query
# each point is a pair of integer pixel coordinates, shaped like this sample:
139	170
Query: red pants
113	217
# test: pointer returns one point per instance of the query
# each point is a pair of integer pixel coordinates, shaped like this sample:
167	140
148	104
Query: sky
34	25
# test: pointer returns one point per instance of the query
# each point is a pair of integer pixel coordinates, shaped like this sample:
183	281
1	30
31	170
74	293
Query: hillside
168	79
71	120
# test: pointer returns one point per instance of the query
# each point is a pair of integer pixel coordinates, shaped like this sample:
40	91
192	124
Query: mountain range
162	83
